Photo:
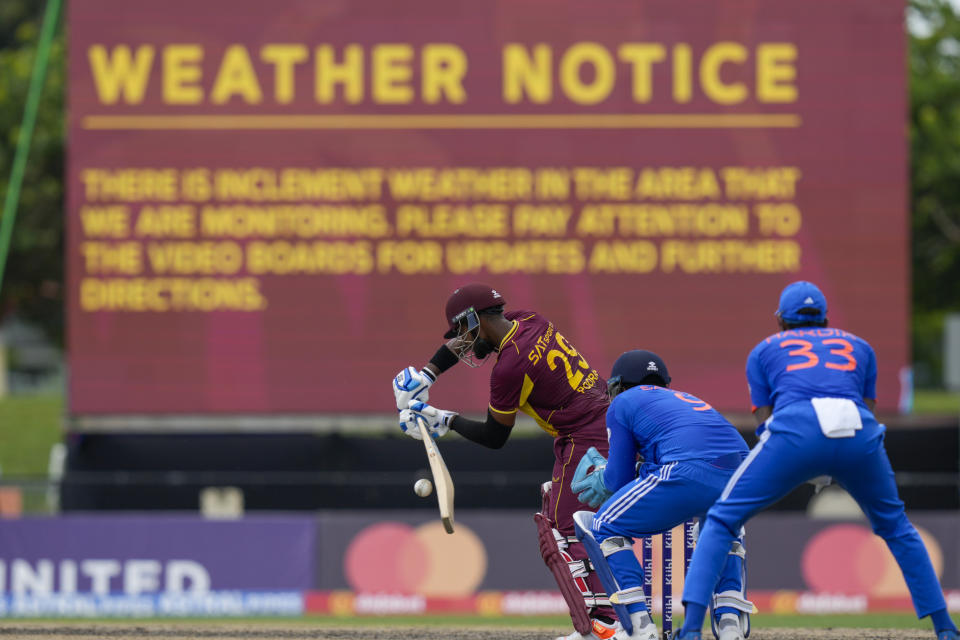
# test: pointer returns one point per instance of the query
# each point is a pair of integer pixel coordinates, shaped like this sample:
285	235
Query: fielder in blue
813	389
689	452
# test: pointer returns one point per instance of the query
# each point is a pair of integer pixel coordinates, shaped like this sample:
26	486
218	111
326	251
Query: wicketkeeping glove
589	487
437	420
410	385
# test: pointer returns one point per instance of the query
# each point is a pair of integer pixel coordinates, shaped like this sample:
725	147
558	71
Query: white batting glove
408	424
438	420
411	385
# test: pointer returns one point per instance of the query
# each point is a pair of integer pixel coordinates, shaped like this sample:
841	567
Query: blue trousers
791	451
662	497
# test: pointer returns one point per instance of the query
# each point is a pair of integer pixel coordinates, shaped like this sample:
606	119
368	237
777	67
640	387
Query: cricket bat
441	477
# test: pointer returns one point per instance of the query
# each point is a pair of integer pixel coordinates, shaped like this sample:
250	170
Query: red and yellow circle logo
850	559
393	557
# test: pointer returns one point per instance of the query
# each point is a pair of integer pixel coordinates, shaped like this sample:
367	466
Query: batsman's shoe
947	634
729	627
643	628
600	631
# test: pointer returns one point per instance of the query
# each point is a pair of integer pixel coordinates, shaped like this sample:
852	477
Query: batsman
538	371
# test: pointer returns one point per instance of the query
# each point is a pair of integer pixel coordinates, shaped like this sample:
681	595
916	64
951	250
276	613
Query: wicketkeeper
537	371
689	454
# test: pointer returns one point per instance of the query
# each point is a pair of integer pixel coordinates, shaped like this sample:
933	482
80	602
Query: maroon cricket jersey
540	373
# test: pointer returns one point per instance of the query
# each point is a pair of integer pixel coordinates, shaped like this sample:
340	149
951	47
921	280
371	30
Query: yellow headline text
579	73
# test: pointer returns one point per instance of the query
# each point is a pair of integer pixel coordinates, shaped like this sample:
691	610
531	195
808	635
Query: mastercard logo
394	557
850	559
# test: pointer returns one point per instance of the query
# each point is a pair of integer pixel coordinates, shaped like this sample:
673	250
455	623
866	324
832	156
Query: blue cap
802	296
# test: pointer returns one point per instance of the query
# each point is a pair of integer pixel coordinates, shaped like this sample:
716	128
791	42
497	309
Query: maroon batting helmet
467	302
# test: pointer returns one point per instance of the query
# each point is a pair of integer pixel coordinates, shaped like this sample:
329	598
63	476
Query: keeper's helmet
637	367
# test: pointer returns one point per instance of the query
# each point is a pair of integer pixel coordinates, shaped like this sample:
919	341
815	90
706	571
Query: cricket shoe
728	628
947	634
643	628
600	631
690	635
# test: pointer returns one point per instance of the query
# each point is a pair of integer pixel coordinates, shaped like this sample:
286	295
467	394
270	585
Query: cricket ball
423	487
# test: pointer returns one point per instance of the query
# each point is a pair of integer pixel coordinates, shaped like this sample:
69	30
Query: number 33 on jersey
811	362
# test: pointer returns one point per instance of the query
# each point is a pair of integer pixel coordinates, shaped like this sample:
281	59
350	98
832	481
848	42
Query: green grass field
825	621
760	621
29	426
927	401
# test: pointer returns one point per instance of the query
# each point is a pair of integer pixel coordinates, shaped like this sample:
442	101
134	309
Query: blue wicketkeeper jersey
664	425
811	362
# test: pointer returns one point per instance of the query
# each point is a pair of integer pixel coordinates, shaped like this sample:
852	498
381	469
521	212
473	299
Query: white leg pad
628	596
734	600
615	544
599	599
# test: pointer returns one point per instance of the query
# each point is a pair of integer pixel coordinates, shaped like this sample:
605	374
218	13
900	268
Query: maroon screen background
332	343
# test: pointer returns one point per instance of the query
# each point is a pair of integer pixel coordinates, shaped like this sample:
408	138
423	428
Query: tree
33	283
935	177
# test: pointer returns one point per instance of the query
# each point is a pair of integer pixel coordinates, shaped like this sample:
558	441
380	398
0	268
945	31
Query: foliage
927	335
33	283
935	177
